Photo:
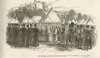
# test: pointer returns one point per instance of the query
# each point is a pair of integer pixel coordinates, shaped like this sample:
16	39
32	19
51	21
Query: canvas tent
27	20
73	21
36	18
13	21
51	17
89	22
82	21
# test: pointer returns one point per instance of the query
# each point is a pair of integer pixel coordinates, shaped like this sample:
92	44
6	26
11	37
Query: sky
84	6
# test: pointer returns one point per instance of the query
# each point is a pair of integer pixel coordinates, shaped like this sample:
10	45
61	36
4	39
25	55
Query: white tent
81	22
52	17
13	21
36	18
90	23
27	20
72	21
84	23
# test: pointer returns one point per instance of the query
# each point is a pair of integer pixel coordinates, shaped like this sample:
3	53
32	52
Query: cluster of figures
79	36
20	35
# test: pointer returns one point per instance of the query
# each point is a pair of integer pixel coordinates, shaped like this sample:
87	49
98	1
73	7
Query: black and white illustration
43	25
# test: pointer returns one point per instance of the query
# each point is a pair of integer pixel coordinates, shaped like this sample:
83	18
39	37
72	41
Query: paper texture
89	7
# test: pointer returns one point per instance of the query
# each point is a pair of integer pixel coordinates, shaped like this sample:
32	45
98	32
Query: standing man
88	37
8	30
81	36
63	34
46	34
77	32
36	32
55	34
23	34
92	36
16	33
30	30
28	36
71	33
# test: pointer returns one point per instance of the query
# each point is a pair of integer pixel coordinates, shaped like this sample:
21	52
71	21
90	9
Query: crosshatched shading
36	23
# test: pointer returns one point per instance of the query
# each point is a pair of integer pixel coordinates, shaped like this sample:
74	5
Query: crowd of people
20	35
79	36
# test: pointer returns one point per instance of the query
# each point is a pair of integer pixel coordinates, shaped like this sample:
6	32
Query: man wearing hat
36	39
23	30
71	33
28	36
30	30
88	37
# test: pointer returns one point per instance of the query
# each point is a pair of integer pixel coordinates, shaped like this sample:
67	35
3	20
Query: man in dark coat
8	30
92	36
36	40
28	36
30	32
71	33
88	37
23	35
16	33
13	34
46	34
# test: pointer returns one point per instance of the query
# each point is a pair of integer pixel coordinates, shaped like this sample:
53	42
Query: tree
45	6
20	15
11	14
85	17
41	12
67	18
70	15
79	17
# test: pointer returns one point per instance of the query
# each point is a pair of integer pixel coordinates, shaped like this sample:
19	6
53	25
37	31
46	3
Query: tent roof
52	17
36	18
14	21
27	20
72	21
90	23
